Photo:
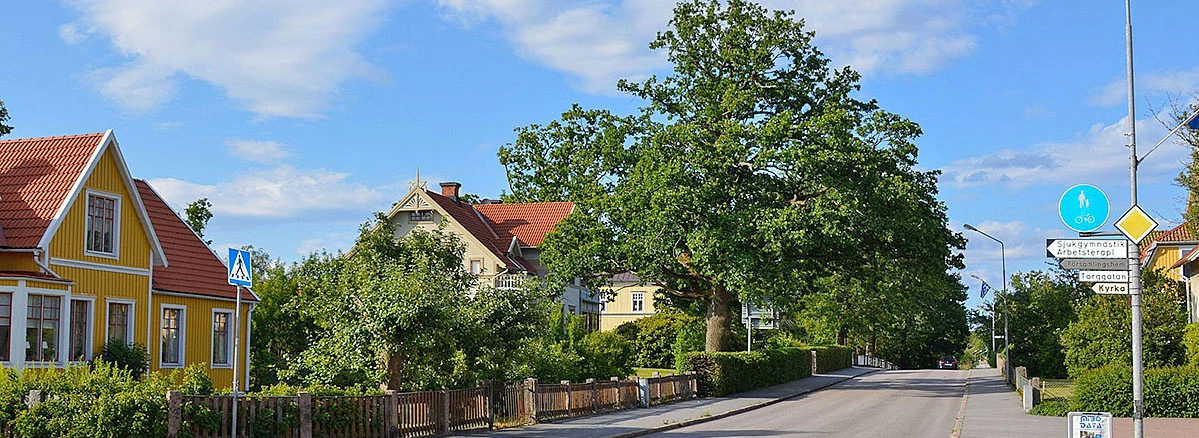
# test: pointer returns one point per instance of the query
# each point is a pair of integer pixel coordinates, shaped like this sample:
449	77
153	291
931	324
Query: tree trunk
842	336
720	320
395	371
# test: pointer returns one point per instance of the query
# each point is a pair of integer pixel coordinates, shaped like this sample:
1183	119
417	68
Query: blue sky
300	118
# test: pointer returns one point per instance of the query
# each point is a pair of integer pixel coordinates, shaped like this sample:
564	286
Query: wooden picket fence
415	414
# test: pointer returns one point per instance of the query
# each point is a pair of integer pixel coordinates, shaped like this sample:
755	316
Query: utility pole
1134	257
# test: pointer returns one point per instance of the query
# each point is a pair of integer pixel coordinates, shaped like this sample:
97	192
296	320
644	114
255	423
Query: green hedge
832	358
1169	392
724	373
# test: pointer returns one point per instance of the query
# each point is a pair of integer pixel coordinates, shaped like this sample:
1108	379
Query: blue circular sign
1083	208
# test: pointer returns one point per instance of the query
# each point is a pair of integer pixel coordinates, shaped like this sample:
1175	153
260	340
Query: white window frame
64	321
182	336
637	297
116	223
89	329
228	339
128	321
12	325
471	267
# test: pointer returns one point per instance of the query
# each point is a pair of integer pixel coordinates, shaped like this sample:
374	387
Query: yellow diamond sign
1135	224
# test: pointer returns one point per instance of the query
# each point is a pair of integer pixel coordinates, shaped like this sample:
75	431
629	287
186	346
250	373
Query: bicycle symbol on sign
1084	217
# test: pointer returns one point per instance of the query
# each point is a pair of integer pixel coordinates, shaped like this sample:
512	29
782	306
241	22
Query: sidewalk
635	422
993	410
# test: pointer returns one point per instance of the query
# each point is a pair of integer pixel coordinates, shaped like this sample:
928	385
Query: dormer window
101	228
420	216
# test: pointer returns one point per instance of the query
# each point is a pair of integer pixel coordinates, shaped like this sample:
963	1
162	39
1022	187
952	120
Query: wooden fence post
445	411
616	389
391	420
594	399
490	404
531	393
174	413
305	414
569	407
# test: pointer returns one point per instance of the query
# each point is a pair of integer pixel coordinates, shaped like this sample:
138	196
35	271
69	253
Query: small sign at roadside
1103	276
1094	264
1090	424
1110	288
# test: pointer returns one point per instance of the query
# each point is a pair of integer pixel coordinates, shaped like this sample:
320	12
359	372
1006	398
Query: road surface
904	403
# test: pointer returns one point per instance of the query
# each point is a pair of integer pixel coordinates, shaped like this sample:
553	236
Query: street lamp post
1007	350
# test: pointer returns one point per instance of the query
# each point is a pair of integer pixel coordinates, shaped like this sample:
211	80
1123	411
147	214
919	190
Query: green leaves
751	168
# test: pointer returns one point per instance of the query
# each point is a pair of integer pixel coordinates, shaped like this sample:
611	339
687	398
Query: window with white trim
638	301
476	267
172	336
5	325
120	322
81	333
41	328
222	336
101	231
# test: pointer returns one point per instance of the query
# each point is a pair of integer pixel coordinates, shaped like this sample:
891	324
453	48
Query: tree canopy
750	173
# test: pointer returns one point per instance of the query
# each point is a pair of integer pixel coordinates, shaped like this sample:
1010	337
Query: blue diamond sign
1083	208
239	268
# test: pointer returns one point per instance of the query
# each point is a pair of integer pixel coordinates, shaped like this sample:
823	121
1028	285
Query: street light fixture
1007	356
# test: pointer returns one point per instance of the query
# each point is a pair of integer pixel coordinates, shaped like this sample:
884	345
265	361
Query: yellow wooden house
628	300
89	255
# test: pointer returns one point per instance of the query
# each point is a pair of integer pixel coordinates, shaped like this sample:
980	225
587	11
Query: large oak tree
752	172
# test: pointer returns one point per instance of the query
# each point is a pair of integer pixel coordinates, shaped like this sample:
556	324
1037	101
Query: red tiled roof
36	177
1190	256
193	268
1180	233
529	223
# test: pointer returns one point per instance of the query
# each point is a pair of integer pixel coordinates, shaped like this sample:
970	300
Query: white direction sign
1094	264
1103	276
1110	288
1086	248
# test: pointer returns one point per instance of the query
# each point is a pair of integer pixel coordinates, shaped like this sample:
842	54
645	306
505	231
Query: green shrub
832	358
132	357
605	354
723	373
690	339
1169	392
653	337
1052	408
1190	339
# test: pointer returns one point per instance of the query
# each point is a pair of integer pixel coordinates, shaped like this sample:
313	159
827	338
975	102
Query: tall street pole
1134	258
1007	351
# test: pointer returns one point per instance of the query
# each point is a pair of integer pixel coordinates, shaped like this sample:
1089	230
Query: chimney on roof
449	189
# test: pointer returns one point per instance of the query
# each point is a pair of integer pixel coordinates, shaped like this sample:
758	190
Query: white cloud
601	41
277	57
70	34
257	151
279	193
1176	82
985	258
1101	153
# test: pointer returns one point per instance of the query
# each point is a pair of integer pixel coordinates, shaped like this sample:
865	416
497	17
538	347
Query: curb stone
740	410
961	420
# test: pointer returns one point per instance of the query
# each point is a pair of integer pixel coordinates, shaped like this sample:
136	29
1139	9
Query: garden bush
1169	391
723	373
132	357
605	354
1052	408
1190	341
653	337
832	358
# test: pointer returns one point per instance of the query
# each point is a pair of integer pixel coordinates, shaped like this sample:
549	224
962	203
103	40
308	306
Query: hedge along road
904	403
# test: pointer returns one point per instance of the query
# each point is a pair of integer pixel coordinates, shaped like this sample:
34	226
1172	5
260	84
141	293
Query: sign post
240	274
755	317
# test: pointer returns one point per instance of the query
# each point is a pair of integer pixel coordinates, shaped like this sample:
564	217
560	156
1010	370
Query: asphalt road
904	403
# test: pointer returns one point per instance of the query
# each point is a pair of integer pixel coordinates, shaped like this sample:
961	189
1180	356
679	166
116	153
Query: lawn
1058	389
649	372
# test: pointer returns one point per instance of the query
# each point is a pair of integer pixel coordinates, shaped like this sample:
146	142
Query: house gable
106	176
418	201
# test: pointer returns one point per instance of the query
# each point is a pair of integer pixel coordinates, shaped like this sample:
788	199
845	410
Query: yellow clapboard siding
197	347
1165	257
68	241
18	261
103	286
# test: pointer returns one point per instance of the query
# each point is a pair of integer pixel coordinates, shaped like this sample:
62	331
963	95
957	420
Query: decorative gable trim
418	197
108	141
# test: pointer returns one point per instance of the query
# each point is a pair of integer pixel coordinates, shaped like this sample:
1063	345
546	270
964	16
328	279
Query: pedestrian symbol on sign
240	273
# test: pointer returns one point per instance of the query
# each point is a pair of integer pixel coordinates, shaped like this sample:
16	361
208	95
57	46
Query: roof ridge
53	137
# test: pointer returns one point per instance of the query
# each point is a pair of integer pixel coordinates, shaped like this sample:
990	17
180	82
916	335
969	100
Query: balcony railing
510	281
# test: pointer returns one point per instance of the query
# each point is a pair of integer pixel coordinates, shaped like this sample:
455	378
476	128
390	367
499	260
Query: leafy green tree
282	331
652	338
197	215
751	173
4	129
1102	335
387	311
1041	307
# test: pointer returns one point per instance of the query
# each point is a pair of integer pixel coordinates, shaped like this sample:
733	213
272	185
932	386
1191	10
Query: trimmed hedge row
832	358
1169	392
726	372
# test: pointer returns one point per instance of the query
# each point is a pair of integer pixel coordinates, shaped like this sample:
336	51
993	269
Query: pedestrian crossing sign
239	268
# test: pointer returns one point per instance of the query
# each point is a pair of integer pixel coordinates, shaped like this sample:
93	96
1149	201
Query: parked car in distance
947	363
